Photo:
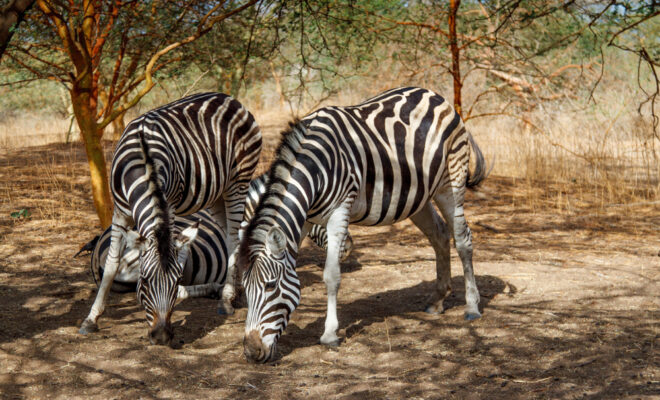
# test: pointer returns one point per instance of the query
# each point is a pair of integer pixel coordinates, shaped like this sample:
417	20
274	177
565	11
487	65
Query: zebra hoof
88	327
434	310
224	310
334	345
471	316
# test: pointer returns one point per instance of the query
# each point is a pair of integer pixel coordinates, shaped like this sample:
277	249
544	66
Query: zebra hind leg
450	204
318	235
219	212
429	222
203	290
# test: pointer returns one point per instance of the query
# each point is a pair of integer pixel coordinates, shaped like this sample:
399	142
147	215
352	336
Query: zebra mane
162	231
290	143
285	155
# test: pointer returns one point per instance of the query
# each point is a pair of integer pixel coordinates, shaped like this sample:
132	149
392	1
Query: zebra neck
149	198
289	195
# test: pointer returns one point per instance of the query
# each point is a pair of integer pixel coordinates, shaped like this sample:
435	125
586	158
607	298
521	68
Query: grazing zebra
196	153
375	163
204	255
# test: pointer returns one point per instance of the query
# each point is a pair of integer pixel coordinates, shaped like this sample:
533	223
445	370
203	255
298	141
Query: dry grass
566	153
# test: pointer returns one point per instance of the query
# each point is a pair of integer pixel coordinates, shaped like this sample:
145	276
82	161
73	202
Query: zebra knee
332	281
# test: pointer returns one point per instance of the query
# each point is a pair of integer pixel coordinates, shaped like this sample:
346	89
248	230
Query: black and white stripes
375	163
196	153
203	257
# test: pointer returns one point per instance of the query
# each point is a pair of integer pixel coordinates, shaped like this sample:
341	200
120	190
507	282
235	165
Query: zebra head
161	269
272	289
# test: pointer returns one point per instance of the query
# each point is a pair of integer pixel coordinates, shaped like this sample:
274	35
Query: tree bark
10	16
85	115
455	56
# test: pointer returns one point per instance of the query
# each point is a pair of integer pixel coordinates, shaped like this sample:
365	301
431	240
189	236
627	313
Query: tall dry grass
570	153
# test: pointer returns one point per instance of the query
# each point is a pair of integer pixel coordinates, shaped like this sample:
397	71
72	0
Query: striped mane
285	155
162	231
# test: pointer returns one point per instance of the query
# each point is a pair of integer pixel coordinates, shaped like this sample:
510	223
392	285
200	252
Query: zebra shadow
408	303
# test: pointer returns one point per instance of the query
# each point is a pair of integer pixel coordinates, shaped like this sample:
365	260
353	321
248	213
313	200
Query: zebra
195	153
203	253
375	163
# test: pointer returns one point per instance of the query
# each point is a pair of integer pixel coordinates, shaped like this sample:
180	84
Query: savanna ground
569	297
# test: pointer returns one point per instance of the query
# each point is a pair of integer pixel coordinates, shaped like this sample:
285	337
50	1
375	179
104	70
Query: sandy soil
570	308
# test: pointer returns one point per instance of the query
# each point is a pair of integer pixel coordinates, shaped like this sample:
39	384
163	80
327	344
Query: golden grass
567	154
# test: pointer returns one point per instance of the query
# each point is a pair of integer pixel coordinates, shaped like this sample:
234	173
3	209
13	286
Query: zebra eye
271	284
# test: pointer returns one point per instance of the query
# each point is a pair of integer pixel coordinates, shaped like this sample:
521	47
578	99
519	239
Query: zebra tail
89	246
480	172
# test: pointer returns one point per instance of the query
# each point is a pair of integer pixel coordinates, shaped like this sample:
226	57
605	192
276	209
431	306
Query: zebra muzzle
161	334
254	349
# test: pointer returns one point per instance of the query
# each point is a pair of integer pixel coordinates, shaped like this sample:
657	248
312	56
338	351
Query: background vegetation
556	92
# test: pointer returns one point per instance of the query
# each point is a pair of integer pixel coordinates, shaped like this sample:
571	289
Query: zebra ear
134	240
276	242
187	236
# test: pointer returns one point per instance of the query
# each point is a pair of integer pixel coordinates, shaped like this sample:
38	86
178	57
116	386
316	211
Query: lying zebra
201	249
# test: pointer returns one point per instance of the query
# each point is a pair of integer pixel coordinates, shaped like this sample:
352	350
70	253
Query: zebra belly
365	213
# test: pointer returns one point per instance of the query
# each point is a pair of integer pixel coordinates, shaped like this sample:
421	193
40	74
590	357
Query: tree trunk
278	86
95	157
99	176
455	56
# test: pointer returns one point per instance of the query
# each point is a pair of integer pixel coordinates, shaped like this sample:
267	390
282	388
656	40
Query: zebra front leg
429	222
120	225
219	212
231	208
203	290
318	235
337	229
450	204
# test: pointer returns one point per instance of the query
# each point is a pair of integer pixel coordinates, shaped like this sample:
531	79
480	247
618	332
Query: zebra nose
253	347
161	334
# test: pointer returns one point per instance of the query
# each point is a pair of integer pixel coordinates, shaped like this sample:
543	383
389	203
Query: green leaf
22	213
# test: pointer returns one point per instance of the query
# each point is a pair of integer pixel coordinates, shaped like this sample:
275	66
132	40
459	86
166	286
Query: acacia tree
520	45
107	54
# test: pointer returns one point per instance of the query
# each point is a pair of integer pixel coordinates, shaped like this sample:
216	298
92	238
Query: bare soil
570	307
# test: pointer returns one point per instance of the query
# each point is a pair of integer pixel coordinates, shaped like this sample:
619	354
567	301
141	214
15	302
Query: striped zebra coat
376	163
204	258
195	153
204	255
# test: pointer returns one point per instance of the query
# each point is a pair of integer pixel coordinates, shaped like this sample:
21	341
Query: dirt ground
570	307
